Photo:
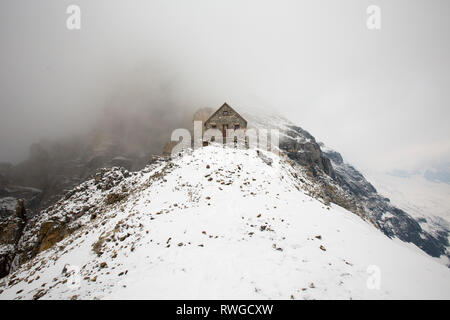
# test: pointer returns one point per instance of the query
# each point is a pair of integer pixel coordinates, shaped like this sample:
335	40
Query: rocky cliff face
11	230
393	221
300	146
21	240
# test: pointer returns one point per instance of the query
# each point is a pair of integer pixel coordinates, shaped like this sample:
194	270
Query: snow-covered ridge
339	182
214	223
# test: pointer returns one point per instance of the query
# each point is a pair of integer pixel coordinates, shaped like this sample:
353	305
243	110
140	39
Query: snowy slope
220	223
340	183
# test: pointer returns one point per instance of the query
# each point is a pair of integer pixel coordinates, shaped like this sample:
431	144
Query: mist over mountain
316	62
86	118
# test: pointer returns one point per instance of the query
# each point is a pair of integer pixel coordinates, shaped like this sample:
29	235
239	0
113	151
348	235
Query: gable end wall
219	119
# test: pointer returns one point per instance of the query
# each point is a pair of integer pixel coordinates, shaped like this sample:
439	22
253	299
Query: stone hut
225	118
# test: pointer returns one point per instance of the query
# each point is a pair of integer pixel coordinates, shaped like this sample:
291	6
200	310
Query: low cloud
379	97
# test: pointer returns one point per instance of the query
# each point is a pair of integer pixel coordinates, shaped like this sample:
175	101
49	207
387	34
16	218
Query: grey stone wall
225	116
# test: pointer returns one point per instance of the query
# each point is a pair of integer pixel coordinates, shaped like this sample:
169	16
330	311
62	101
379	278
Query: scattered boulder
115	197
39	294
97	247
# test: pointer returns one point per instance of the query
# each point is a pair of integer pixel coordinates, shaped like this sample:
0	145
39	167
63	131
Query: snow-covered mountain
214	223
236	223
340	183
426	201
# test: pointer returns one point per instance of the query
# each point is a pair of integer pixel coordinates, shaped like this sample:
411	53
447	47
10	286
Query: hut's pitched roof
225	105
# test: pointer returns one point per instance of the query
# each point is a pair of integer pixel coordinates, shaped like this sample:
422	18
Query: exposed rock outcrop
11	230
23	242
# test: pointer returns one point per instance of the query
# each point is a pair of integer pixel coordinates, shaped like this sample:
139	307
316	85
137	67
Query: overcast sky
380	97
